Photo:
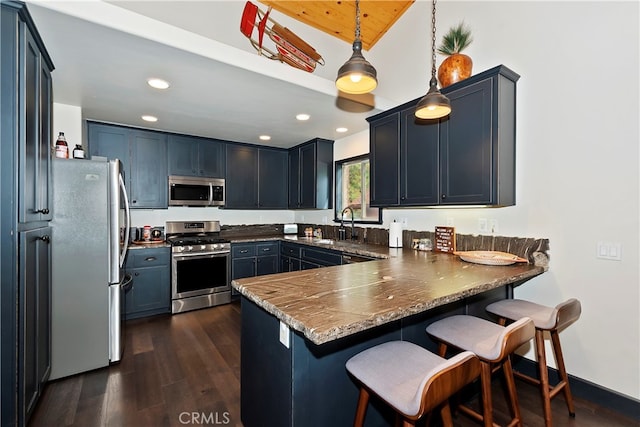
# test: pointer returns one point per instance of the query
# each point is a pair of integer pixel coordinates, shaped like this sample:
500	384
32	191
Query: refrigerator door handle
127	215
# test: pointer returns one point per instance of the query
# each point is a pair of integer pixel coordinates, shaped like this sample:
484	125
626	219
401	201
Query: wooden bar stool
550	319
493	344
410	379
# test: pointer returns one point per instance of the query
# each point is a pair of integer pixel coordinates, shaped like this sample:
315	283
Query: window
352	190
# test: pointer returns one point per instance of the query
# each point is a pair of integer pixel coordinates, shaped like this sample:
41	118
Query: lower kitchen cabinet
150	293
295	256
254	259
34	311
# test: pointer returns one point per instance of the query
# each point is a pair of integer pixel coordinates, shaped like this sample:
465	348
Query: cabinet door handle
244	251
45	238
43	211
444	196
266	249
151	258
136	274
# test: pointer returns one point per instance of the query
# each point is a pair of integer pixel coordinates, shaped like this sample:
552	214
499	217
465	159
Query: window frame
338	190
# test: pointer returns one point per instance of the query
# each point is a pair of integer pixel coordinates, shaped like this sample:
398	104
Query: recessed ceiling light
148	118
341	130
158	83
303	117
265	137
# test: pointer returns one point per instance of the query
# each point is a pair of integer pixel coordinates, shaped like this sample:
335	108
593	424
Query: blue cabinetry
151	290
256	178
193	156
25	212
144	159
311	175
467	158
254	259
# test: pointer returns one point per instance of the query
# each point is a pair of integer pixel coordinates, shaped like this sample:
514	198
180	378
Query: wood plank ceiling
338	18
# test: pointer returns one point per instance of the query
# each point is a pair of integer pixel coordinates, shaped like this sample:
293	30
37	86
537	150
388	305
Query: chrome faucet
341	230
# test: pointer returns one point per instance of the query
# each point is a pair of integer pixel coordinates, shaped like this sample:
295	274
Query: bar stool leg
513	396
544	377
445	413
487	404
363	401
555	339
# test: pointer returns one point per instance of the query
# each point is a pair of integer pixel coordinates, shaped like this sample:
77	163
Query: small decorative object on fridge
78	152
62	149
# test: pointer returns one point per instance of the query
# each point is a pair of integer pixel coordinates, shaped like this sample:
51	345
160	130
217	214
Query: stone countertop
145	245
329	303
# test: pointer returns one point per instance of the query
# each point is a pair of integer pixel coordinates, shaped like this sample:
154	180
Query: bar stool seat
550	319
492	344
410	379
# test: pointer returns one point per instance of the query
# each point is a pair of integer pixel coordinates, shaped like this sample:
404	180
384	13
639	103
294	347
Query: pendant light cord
433	40
357	20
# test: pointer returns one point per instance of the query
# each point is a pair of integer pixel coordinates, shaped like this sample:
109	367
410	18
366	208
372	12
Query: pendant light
357	75
434	104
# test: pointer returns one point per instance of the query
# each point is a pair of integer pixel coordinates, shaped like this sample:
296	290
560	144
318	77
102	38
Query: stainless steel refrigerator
90	229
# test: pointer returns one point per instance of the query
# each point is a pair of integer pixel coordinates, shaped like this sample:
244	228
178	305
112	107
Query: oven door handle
201	255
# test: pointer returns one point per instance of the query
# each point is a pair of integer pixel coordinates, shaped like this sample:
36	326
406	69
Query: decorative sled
290	48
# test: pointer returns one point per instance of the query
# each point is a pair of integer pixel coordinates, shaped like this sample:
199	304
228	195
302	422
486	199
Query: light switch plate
284	334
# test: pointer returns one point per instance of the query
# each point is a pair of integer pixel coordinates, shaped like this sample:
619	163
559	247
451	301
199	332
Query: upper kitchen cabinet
26	194
311	175
26	107
193	156
256	178
144	159
467	158
149	184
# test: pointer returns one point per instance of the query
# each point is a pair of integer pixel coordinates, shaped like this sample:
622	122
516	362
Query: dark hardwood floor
185	370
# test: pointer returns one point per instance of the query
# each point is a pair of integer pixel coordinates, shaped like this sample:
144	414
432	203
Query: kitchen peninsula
299	328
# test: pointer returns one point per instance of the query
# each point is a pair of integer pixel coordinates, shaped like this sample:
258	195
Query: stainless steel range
200	265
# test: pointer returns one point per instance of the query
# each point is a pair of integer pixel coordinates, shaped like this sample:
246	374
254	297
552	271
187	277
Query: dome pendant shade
357	75
434	104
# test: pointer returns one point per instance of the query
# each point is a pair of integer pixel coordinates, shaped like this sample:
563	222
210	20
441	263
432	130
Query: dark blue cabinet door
111	142
35	166
211	158
241	183
182	155
266	265
466	146
272	178
192	156
419	160
151	288
385	160
294	179
243	267
149	184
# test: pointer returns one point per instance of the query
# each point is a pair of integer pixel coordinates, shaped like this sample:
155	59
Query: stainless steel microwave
196	191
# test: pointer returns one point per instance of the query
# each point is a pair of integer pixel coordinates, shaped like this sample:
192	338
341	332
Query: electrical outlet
483	226
609	250
493	226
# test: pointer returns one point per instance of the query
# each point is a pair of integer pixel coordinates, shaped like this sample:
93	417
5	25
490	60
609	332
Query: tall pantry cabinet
25	212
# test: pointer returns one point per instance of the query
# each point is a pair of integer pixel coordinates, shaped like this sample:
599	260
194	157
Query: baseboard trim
586	390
